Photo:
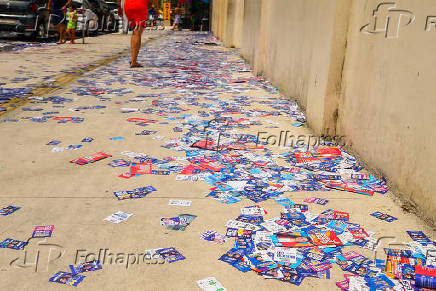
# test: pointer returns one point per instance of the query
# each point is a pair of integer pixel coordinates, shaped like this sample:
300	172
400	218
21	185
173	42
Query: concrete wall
387	109
370	83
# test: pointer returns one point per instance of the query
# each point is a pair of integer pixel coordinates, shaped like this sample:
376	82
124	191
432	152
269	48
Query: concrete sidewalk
75	199
49	65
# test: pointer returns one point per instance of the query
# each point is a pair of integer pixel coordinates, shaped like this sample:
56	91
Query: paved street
190	91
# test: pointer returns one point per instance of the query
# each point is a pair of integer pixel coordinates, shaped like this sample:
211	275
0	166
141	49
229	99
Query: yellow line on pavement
65	79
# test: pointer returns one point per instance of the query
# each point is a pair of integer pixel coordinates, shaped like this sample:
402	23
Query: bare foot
136	65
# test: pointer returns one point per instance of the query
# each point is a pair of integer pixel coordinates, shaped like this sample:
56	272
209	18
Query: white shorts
177	20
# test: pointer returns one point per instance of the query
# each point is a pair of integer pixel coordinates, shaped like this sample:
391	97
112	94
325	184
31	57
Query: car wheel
113	24
91	27
40	32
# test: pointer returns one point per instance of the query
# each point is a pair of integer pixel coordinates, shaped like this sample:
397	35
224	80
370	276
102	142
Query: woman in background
136	13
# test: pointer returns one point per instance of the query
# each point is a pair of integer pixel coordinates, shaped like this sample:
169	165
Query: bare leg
69	33
73	35
135	44
61	30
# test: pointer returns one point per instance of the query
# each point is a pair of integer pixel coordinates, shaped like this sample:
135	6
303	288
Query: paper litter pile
202	95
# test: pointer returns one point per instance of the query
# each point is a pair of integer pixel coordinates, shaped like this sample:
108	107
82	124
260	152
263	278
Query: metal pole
48	25
84	23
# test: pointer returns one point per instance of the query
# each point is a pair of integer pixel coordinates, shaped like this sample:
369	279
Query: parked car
117	19
101	9
25	17
87	20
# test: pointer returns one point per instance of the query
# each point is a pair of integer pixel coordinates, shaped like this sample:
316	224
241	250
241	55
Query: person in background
178	17
136	13
72	23
152	13
193	21
57	16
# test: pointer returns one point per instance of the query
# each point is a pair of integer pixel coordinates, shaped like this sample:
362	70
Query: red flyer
126	175
62	118
304	157
140	169
310	199
214	167
425	271
204	144
292	240
329	151
341	215
191	169
327	238
139	120
90	159
359	233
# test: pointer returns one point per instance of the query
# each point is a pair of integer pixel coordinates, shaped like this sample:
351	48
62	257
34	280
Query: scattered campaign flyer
284	201
140	192
67	278
87	139
170	255
177	223
119	163
210	284
255	210
53	142
13	244
420	237
43	231
285	255
86	267
316	200
239	224
213	236
385	217
90	159
185	203
118	217
152	254
212	144
140	168
8	210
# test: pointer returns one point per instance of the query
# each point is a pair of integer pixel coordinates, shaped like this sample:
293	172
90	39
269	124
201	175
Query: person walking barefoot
178	17
136	13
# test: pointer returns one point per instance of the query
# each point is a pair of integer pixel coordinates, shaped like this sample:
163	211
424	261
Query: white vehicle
86	19
116	19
